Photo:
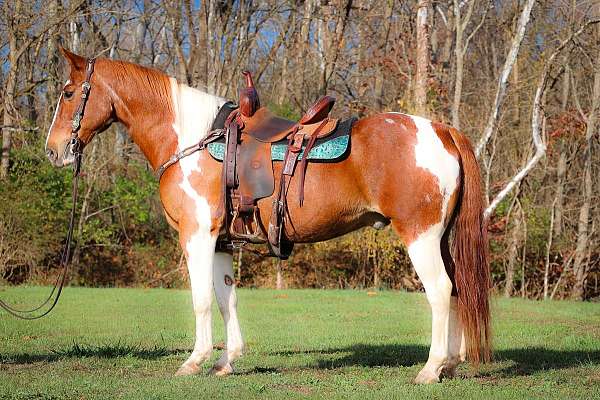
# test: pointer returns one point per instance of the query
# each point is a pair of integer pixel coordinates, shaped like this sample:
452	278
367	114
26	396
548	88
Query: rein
75	148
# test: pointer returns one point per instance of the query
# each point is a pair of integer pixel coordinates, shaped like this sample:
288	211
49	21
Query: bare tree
460	48
536	121
423	56
503	80
583	226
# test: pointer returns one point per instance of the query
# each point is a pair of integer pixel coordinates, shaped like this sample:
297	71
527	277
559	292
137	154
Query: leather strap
201	145
85	91
304	160
216	131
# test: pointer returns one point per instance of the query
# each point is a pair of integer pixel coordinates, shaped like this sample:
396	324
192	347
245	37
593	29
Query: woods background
520	78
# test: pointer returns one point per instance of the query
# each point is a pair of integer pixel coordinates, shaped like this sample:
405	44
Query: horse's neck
194	112
180	118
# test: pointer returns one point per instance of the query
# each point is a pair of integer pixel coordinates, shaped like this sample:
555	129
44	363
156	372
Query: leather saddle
248	168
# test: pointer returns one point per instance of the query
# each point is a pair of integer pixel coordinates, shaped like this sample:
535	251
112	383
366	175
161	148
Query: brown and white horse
420	176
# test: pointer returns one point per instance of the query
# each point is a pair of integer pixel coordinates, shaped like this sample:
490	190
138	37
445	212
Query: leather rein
75	148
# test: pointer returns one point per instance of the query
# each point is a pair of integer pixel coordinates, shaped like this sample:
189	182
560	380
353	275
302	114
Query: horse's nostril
51	154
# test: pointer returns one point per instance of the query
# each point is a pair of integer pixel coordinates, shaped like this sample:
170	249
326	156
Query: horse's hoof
186	370
221	370
426	377
448	372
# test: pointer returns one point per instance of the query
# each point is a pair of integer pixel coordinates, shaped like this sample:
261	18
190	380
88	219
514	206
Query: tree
423	56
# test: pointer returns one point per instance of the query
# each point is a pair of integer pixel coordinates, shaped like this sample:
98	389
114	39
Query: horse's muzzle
52	155
58	161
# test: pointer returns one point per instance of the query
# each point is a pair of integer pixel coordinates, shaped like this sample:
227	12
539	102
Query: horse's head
97	115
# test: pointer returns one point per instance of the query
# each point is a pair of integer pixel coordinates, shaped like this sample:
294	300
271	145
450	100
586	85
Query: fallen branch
18	128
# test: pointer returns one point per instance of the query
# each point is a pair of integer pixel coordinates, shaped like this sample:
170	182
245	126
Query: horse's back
399	168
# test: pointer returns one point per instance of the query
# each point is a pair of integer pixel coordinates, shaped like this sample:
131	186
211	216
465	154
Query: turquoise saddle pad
329	150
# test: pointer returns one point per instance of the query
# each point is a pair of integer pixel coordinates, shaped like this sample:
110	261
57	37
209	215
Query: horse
420	176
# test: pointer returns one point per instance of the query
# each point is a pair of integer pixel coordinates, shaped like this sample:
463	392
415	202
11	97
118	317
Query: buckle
237	244
174	158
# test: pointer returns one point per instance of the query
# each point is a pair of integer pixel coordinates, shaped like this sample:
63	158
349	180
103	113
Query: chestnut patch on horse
228	280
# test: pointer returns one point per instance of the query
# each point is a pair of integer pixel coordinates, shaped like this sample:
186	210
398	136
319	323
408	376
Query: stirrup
252	234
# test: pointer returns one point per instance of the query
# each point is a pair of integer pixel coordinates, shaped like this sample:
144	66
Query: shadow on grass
77	350
522	361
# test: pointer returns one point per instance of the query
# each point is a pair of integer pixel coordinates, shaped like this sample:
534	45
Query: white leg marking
190	125
200	249
426	257
227	300
455	340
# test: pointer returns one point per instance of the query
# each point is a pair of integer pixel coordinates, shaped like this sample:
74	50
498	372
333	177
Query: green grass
127	343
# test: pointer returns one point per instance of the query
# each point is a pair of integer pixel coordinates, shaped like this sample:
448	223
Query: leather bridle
75	148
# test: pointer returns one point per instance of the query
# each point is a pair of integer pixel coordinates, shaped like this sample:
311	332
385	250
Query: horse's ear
76	62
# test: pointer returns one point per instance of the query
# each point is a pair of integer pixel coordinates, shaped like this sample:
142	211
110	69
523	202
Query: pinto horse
419	176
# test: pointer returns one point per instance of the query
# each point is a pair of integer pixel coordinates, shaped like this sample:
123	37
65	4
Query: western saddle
250	130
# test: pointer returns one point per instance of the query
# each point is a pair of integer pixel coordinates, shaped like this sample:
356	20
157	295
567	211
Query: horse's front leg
227	300
199	248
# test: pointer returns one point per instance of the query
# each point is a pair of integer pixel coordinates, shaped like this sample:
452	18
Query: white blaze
55	113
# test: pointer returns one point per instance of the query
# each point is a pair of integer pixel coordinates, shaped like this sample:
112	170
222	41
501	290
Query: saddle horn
249	101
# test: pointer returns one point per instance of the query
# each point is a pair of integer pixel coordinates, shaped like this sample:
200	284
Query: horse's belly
333	204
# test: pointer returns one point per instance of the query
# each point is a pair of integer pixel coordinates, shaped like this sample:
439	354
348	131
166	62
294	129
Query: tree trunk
560	191
580	267
548	250
422	71
279	283
304	45
503	81
52	60
9	114
513	251
561	169
387	23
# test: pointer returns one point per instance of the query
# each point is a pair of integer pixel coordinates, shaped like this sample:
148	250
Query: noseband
75	147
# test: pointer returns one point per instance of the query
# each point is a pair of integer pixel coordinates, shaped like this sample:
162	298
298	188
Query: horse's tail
470	253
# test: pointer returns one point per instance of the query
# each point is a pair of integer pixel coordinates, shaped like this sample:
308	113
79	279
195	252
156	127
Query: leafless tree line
521	78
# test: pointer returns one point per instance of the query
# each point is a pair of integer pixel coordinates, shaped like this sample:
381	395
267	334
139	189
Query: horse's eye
68	95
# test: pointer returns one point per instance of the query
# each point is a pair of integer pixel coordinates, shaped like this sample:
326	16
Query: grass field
127	343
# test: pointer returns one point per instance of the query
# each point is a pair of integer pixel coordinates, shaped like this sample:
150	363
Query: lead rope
64	261
75	146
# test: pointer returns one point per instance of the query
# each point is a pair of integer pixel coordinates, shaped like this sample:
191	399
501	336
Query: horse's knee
202	305
439	293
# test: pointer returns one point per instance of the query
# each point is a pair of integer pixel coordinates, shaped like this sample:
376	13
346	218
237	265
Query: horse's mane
142	80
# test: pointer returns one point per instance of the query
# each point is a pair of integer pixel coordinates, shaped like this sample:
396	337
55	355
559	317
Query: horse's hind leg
425	254
456	340
227	300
